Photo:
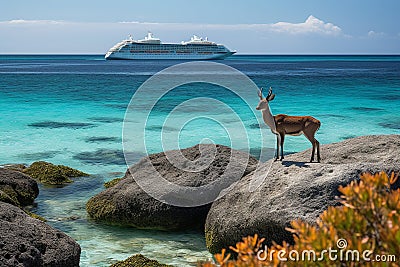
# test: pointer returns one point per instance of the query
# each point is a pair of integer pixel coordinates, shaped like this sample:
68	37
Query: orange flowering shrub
364	231
246	254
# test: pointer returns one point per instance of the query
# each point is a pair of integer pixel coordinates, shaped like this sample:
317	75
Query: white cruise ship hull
132	56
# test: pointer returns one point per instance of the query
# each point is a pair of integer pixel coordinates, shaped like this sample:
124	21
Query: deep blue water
69	109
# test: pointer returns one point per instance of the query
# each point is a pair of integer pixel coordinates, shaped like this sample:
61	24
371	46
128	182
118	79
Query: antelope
283	124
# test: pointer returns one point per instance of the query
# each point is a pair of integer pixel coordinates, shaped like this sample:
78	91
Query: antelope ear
271	97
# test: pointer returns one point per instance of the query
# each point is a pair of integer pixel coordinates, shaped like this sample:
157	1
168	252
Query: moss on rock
10	192
4	197
138	261
112	182
98	207
35	216
49	173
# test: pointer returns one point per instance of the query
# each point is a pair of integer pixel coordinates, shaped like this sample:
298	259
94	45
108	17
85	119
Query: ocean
70	110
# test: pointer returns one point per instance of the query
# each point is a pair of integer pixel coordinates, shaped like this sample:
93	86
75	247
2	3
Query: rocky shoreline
292	189
25	240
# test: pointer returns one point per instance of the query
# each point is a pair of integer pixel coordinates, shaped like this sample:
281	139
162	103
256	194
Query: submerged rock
103	139
138	261
106	156
39	155
48	173
17	188
126	203
59	124
294	189
106	119
25	241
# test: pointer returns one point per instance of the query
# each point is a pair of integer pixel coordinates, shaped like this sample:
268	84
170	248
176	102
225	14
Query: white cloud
311	25
129	22
32	22
373	34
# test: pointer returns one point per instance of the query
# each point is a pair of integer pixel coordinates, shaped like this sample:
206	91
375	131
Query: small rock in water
140	261
255	126
70	218
49	173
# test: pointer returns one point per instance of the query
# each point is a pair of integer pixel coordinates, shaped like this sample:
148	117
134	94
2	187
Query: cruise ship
152	48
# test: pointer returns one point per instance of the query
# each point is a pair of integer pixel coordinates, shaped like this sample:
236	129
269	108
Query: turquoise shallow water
70	109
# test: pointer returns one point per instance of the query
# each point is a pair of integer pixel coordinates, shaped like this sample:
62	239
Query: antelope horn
269	92
260	95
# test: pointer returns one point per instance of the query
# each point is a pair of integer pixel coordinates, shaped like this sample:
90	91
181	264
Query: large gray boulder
25	241
126	203
295	189
17	188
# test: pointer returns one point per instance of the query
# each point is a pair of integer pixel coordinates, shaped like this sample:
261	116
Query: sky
249	27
